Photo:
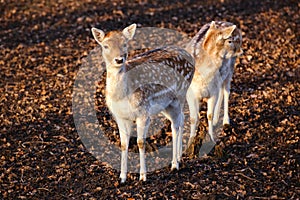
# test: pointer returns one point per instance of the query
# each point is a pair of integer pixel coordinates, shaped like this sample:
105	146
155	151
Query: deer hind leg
179	139
193	103
180	124
174	113
142	129
125	130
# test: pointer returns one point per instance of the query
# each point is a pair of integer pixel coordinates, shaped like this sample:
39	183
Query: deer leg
142	129
174	114
218	107
175	130
193	104
226	90
124	129
211	104
179	139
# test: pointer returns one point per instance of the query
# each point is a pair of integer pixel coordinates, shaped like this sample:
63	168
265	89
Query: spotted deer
138	88
214	48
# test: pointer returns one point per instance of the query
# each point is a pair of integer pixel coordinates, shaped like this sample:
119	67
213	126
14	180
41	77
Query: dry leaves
41	49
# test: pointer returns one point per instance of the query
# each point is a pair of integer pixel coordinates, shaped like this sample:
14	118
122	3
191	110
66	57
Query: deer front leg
193	104
124	130
142	129
226	90
218	107
211	104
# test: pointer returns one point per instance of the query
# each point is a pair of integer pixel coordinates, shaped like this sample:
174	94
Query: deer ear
129	31
213	25
227	32
211	35
98	35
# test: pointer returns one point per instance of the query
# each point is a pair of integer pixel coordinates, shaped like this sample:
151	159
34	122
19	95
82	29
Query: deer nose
120	60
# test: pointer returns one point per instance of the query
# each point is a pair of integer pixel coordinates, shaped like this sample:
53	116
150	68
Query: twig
34	142
247	177
269	197
44	189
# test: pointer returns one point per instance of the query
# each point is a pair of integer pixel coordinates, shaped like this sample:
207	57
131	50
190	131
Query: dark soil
42	45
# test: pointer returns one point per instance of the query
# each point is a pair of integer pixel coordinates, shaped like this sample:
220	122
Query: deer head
114	44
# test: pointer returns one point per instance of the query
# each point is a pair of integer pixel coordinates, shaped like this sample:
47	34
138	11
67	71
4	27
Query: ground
42	47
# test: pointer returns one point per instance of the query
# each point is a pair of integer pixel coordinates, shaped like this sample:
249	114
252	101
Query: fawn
150	83
215	48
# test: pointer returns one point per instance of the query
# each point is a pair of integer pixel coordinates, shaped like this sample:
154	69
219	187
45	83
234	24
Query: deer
148	84
215	48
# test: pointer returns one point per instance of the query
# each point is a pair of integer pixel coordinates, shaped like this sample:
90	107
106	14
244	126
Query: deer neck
206	64
116	87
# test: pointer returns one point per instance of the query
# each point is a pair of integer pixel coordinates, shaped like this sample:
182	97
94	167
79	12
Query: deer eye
229	40
105	46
